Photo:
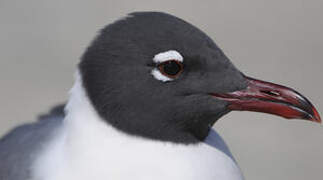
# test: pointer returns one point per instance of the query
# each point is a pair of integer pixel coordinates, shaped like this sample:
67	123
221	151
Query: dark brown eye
171	68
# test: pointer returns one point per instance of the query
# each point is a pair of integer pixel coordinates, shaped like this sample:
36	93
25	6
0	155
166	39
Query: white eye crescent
169	65
159	76
168	55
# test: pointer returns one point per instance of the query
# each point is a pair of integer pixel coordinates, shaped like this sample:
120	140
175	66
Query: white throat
86	148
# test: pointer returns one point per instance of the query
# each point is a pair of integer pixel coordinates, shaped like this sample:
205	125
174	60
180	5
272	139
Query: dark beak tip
266	97
316	116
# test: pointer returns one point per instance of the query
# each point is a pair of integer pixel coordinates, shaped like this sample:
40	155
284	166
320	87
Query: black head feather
116	71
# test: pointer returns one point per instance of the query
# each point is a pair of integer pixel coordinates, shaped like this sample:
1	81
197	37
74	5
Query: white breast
87	148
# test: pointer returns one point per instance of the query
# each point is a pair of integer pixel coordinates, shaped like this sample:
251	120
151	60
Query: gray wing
19	147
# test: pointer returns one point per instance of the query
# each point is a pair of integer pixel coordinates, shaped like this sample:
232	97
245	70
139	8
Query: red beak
270	98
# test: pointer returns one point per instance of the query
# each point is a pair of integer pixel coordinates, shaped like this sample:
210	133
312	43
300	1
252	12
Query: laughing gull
147	92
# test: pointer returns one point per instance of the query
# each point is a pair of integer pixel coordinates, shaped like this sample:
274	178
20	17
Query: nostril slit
271	93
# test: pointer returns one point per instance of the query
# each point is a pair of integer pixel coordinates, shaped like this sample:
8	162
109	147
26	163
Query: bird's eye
169	65
171	68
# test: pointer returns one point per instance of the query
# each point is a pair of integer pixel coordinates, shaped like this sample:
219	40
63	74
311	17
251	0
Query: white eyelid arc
159	76
168	55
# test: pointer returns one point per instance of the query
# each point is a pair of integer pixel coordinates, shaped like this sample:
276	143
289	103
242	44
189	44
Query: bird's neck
82	122
86	145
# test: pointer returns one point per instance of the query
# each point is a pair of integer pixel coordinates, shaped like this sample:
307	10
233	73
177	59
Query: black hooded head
117	76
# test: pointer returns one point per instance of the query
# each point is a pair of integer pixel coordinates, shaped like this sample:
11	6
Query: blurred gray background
274	40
